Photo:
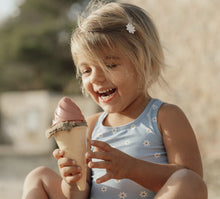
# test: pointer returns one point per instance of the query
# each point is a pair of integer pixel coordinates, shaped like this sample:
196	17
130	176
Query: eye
111	65
84	70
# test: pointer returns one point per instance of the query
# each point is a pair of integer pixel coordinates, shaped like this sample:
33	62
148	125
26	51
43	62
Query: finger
73	179
63	162
98	155
87	159
102	145
96	149
57	153
104	178
70	171
99	165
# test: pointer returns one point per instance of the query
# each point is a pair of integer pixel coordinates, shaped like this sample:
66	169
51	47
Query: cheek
85	83
87	87
128	77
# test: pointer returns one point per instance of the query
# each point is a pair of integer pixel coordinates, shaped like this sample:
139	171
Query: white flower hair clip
130	27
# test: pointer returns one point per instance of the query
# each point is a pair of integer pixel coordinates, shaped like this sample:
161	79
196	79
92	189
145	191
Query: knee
37	174
191	182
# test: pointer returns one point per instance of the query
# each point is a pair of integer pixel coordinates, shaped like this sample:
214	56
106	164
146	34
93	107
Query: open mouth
106	95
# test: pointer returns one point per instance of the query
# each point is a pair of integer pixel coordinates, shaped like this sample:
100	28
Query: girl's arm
181	146
182	151
179	138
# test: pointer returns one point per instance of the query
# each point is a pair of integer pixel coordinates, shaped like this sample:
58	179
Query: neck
129	114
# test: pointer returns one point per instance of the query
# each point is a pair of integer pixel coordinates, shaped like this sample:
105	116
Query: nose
97	75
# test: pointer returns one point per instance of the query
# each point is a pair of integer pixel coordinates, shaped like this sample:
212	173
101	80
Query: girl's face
114	89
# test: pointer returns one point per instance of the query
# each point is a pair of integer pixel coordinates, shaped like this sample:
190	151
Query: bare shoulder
169	109
170	113
91	121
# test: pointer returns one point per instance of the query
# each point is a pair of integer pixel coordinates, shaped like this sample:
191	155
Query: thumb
57	153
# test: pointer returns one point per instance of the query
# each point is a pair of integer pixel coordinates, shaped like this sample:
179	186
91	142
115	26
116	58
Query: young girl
141	147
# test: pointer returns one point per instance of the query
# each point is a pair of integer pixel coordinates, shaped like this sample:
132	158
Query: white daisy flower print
143	194
127	142
146	143
104	189
114	130
149	130
117	181
157	155
122	195
154	107
132	126
154	119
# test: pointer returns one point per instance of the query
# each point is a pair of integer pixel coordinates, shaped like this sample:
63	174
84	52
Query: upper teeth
105	91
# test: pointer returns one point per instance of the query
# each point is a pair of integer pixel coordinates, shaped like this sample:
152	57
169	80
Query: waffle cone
73	143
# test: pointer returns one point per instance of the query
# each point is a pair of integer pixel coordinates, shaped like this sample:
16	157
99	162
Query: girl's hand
117	164
69	170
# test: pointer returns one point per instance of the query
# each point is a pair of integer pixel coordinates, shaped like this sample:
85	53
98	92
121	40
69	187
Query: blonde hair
105	28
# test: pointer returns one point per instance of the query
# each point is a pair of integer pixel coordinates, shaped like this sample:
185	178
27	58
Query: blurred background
36	70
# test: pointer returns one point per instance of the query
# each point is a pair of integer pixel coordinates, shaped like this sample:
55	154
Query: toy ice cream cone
69	129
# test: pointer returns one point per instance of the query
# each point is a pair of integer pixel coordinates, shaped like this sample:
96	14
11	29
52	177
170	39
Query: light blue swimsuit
140	139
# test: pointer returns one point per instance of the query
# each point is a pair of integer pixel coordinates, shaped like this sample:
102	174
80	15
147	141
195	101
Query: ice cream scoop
66	116
69	129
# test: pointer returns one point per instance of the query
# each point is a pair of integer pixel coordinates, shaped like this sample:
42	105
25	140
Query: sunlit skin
117	90
120	94
111	78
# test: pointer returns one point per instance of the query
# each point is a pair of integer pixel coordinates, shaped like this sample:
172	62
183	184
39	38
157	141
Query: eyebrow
82	64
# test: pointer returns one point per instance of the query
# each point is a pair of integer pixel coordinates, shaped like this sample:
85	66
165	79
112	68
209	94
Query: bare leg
42	183
183	184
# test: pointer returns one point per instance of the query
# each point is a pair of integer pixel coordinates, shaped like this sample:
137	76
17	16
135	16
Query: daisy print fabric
140	139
